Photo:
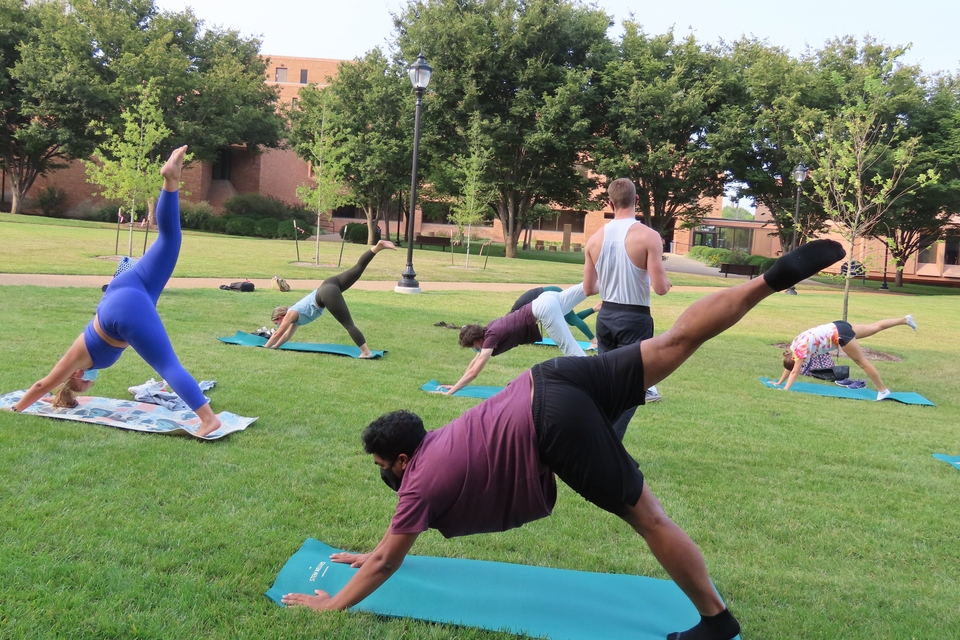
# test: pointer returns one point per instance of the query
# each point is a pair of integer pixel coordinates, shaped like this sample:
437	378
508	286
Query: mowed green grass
819	518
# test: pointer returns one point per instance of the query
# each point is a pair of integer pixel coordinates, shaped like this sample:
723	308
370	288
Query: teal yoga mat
548	342
836	391
953	461
469	391
554	603
249	340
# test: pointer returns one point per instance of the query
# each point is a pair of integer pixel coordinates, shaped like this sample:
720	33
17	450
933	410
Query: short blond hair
623	193
278	314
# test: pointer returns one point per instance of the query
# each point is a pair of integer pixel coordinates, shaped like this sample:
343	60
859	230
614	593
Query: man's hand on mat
355	560
318	602
445	389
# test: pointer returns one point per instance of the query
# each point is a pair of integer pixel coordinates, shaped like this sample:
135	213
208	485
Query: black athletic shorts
845	331
575	402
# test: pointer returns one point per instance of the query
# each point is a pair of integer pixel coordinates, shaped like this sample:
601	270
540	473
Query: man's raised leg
710	316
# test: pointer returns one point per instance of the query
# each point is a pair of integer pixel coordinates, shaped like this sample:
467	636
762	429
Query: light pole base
401	289
790	292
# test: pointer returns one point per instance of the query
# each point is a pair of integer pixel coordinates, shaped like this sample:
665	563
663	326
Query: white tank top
619	279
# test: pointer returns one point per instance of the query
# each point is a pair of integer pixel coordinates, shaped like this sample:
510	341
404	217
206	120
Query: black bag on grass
238	286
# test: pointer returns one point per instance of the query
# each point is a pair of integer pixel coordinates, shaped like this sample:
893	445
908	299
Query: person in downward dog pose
127	317
840	334
520	327
494	467
574	318
329	295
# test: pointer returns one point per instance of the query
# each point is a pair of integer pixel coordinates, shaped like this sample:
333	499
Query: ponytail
64	396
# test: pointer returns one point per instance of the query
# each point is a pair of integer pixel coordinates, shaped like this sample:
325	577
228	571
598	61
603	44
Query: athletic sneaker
652	396
846	382
857	384
883	395
911	322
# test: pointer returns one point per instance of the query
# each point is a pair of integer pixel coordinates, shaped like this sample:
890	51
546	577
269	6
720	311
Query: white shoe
883	395
652	396
911	322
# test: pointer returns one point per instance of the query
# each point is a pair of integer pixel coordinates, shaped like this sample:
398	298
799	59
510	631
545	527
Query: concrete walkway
673	263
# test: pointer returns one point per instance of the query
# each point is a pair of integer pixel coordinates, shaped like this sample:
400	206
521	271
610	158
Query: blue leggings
128	310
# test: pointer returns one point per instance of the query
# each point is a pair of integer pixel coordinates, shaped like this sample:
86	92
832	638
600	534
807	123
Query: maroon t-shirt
515	328
478	474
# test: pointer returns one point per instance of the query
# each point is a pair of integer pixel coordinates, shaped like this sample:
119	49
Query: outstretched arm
473	370
285	331
382	563
797	366
76	357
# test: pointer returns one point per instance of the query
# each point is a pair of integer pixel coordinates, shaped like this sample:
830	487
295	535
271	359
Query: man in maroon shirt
492	469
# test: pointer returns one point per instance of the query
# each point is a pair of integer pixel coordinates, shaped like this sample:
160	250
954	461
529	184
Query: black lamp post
886	253
799	175
419	73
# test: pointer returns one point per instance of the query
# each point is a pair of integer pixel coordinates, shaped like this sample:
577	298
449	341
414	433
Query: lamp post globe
799	175
419	73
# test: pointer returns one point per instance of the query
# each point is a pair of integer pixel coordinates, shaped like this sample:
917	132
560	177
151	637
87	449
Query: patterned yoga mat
130	414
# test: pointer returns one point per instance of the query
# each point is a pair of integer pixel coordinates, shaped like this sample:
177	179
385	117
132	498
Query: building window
293	103
303	76
557	219
221	166
952	249
735	238
705	236
281	74
928	255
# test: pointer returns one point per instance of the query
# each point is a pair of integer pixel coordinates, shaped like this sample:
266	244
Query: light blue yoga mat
836	391
249	340
953	461
469	391
130	414
554	603
548	342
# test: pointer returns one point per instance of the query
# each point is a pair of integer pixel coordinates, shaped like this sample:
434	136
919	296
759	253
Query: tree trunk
898	278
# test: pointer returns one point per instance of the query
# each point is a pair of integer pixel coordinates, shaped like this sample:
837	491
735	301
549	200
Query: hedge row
715	257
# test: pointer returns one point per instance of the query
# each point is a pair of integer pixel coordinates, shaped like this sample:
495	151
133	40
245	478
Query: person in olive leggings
329	295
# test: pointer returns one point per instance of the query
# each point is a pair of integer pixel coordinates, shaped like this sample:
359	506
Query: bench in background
437	241
739	269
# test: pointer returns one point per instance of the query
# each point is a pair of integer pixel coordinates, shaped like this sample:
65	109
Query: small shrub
267	228
215	224
356	232
194	215
241	226
51	200
255	205
697	252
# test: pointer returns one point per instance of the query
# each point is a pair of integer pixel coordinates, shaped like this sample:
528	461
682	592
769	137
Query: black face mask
390	479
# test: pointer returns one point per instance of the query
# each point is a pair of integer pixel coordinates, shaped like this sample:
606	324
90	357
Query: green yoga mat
953	461
836	391
469	391
249	340
553	603
549	342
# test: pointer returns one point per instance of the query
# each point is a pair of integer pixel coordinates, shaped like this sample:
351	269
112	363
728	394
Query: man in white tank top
623	260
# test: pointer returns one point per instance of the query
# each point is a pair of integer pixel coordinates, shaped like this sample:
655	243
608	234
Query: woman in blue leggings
127	317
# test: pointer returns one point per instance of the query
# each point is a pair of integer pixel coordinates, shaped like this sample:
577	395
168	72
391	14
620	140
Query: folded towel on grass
129	414
559	604
249	340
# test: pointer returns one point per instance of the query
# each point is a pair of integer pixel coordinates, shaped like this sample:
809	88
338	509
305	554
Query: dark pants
619	325
330	296
575	401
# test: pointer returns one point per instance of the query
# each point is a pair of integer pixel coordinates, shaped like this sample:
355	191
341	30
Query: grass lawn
819	518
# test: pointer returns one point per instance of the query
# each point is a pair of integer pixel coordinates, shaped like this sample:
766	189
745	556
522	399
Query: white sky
349	28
